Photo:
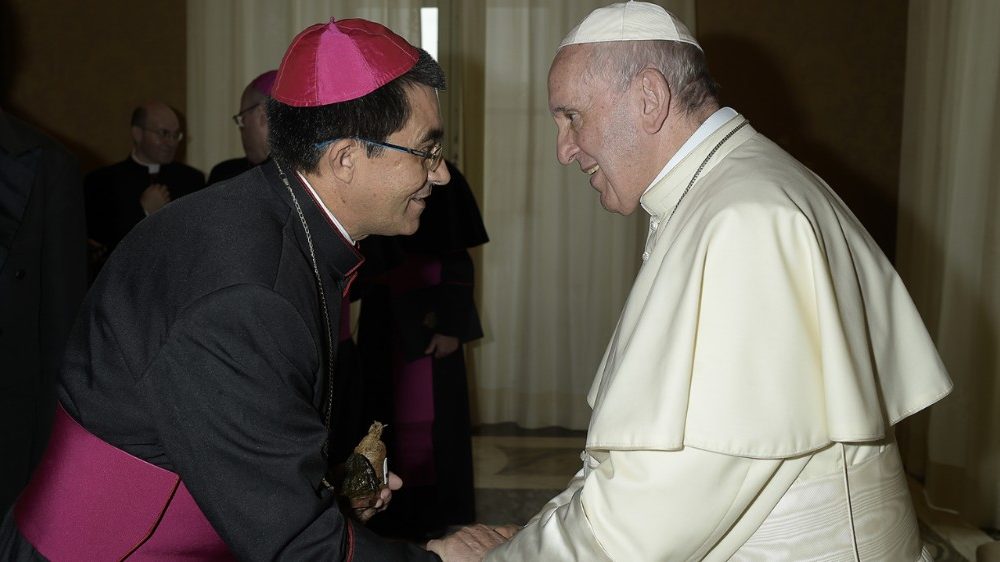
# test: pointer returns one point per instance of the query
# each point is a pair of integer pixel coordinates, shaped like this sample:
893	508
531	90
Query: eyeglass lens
167	134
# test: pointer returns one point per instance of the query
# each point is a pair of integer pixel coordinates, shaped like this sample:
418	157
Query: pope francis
744	408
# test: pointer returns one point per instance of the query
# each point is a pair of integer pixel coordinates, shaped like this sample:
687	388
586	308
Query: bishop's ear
656	96
340	159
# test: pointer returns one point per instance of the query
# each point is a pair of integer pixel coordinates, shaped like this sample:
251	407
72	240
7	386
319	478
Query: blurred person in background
120	195
252	122
43	276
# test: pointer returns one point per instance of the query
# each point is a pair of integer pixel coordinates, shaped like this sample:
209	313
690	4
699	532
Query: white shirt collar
712	124
323	206
153	168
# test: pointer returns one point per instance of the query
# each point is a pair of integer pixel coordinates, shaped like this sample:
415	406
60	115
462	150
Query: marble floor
517	471
515	476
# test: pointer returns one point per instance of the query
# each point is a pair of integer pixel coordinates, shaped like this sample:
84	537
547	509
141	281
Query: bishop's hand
366	508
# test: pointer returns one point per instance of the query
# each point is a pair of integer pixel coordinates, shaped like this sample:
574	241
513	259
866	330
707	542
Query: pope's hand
469	544
507	531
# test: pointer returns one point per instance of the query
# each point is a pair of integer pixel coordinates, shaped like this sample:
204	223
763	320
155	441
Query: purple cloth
265	82
340	61
91	501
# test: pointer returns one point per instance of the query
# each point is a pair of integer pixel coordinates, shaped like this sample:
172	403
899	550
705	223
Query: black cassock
410	288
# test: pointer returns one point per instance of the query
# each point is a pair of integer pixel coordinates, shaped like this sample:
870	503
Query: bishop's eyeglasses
430	159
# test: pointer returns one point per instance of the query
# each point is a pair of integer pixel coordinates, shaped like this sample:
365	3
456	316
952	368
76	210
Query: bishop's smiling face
396	183
595	128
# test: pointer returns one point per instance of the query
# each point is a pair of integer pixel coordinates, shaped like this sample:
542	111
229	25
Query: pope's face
595	129
396	183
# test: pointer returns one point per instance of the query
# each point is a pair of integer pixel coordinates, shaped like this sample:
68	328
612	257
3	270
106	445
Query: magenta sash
89	500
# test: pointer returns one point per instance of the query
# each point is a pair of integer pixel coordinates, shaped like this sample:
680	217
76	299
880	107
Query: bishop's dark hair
294	132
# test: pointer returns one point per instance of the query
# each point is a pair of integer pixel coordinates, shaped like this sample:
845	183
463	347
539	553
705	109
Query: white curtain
949	243
232	41
558	267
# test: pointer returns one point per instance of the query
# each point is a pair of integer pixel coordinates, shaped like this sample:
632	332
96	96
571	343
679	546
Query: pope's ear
656	94
340	158
136	134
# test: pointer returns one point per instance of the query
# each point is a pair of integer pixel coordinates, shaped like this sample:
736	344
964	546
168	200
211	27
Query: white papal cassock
744	407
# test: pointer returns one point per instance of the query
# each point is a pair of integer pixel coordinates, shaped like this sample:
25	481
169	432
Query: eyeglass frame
238	118
166	134
430	159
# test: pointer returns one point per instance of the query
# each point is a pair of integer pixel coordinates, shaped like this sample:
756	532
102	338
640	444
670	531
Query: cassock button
645	256
19	274
653	225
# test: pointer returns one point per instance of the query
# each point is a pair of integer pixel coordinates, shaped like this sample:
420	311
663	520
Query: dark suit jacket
42	280
202	348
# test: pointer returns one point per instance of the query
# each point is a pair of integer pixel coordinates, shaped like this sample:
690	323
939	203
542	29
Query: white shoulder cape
765	321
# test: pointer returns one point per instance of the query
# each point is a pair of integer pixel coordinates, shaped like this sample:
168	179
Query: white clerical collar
323	206
153	168
712	124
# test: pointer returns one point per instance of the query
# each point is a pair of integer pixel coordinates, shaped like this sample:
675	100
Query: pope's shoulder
760	172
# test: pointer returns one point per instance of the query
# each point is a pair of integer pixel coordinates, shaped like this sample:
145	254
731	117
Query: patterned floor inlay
525	463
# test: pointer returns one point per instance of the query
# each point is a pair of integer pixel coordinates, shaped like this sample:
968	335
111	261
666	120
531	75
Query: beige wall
78	68
824	79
